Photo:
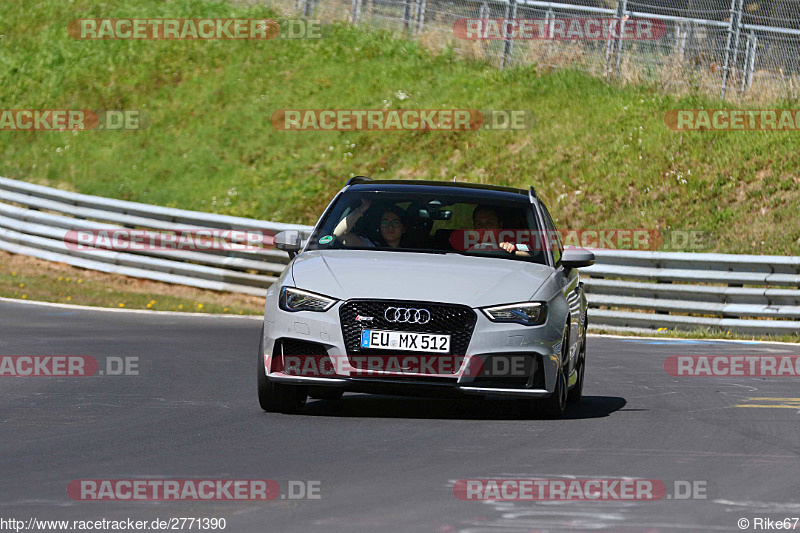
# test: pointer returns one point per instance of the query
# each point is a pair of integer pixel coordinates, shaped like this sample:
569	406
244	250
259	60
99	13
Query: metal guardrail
626	289
740	293
35	220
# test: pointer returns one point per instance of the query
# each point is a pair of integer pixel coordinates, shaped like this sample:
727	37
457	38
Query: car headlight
527	314
298	300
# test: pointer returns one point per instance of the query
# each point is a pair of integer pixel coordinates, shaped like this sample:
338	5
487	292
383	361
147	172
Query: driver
485	217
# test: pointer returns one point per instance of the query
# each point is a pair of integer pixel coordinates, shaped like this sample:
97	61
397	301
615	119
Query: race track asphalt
382	463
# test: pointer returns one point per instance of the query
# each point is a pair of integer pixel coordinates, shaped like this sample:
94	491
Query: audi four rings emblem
407	315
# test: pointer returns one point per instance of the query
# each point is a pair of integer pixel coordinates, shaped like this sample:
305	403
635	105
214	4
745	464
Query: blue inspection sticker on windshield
326	239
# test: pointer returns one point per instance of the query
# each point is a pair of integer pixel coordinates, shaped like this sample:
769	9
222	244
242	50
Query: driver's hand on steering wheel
508	247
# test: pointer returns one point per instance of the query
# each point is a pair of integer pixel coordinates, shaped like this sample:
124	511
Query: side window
553	237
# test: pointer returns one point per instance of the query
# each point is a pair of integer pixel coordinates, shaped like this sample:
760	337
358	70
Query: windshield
417	221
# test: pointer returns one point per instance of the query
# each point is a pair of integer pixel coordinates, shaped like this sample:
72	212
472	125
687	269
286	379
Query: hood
453	278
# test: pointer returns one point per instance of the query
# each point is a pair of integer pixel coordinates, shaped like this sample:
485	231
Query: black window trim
545	215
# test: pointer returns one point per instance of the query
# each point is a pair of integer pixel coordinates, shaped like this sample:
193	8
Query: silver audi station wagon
431	289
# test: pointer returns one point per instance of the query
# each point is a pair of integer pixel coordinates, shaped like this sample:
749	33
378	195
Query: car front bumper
542	343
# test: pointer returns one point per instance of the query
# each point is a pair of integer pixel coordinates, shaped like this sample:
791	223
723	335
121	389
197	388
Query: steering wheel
485	246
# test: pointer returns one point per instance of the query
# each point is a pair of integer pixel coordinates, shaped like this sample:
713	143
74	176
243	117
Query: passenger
485	217
392	228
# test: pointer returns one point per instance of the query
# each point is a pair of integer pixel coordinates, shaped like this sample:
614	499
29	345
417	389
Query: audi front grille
458	321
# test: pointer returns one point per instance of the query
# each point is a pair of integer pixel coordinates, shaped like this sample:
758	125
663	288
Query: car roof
365	184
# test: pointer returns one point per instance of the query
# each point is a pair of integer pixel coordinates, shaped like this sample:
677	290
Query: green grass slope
600	155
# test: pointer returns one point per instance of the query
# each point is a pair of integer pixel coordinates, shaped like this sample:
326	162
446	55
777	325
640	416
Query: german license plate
403	340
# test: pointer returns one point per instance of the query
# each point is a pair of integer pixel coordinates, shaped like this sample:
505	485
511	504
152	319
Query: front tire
291	398
554	406
273	397
576	393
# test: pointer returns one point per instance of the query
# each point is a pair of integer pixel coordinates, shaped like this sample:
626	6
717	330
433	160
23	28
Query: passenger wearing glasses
392	228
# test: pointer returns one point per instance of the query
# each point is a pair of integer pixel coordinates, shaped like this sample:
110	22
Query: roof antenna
454	179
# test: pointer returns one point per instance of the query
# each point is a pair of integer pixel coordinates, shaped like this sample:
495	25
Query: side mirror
576	258
288	241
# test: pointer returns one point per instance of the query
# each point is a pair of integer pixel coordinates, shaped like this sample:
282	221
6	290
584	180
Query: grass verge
600	155
28	278
701	333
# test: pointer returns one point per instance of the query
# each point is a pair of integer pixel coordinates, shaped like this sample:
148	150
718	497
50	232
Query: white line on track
260	317
684	340
114	310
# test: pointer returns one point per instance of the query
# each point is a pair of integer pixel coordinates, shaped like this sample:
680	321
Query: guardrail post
614	42
304	7
407	15
609	46
484	13
687	36
734	28
753	51
683	31
508	42
308	8
421	7
623	8
355	11
746	65
749	62
737	34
